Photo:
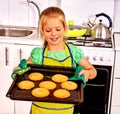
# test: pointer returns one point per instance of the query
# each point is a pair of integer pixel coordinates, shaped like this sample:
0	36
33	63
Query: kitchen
15	11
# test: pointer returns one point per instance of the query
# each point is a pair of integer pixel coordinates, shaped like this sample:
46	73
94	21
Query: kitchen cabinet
13	11
18	10
116	15
22	107
115	110
4	12
22	51
115	107
115	104
6	105
116	92
10	56
117	65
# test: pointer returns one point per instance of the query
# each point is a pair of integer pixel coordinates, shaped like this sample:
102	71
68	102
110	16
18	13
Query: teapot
100	30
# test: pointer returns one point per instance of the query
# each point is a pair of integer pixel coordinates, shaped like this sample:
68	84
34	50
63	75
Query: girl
56	52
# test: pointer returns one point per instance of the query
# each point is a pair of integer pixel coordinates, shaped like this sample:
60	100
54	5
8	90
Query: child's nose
53	32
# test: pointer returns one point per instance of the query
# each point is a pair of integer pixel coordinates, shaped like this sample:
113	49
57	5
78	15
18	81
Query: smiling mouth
54	39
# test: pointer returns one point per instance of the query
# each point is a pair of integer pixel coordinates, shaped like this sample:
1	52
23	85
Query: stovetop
98	51
90	42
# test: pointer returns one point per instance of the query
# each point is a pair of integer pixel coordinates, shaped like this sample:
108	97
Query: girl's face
53	31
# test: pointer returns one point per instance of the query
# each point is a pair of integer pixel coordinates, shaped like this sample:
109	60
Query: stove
97	93
90	42
98	51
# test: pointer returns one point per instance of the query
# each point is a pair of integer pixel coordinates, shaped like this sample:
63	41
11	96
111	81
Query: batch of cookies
45	86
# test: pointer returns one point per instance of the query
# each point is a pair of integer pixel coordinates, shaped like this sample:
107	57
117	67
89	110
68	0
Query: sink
15	32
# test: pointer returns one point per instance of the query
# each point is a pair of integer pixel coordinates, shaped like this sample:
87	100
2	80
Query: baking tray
15	93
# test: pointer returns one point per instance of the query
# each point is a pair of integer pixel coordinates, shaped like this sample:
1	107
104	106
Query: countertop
26	41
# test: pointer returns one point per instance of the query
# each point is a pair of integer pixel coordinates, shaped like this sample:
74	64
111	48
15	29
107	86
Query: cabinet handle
20	52
117	77
6	56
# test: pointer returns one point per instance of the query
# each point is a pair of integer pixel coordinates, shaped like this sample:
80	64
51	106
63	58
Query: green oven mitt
23	68
76	77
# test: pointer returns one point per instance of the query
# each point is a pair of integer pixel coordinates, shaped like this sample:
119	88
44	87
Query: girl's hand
85	73
16	68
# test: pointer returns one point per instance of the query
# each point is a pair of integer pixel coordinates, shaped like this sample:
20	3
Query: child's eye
58	29
48	30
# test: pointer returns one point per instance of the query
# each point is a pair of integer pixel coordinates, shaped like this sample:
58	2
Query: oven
97	92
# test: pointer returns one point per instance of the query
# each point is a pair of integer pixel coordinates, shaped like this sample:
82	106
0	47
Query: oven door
96	93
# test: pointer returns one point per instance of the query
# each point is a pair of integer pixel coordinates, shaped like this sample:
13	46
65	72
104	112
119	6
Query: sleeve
36	55
77	53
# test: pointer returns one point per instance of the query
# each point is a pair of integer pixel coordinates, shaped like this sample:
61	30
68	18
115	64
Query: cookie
61	93
48	85
40	92
35	76
69	85
26	84
59	78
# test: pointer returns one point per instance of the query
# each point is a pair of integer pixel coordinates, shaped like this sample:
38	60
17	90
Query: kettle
100	30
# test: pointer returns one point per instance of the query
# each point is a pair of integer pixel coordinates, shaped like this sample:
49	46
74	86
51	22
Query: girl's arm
88	69
29	61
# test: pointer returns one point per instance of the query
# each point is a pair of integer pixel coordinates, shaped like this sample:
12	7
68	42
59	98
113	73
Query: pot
100	30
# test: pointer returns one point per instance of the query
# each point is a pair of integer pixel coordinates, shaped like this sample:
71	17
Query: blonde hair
51	12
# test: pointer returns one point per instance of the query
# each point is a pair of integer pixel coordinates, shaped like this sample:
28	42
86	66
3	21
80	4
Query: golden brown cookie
59	78
40	92
48	85
26	84
69	85
35	76
61	93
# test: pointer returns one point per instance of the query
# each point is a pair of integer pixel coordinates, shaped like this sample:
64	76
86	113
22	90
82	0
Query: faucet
30	1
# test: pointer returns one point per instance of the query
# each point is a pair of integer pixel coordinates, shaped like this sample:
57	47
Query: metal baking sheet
15	93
